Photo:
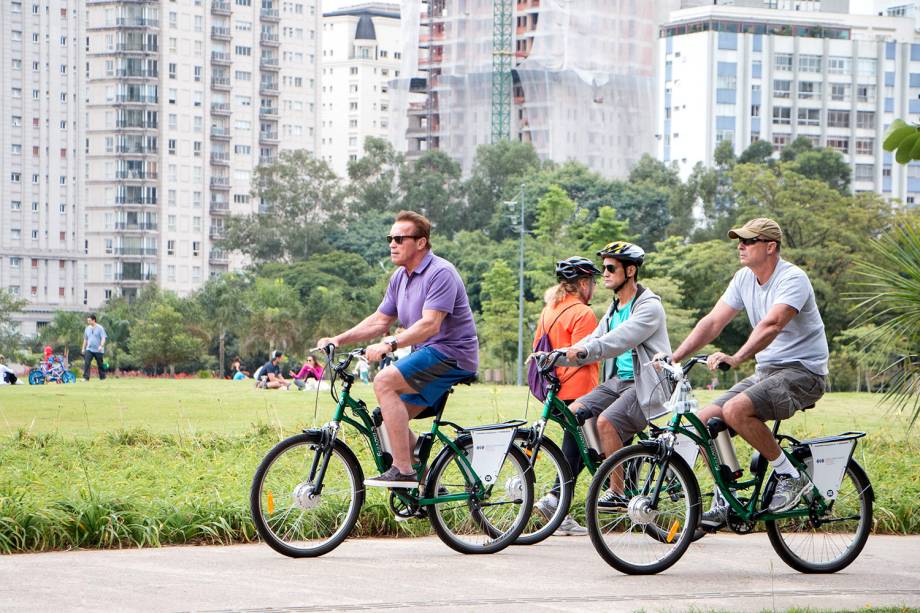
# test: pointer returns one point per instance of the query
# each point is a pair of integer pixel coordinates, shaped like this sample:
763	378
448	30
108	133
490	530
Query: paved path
562	574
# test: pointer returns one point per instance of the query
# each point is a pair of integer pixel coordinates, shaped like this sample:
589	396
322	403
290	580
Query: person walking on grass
93	347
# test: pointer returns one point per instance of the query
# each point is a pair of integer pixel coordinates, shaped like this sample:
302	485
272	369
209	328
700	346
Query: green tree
275	320
374	178
825	165
790	152
10	338
499	315
433	187
758	152
222	311
889	297
496	177
65	331
301	196
606	228
554	213
161	339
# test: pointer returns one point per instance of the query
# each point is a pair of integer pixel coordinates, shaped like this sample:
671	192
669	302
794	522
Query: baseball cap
763	227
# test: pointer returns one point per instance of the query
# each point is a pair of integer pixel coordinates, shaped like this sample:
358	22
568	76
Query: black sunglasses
611	268
399	239
750	241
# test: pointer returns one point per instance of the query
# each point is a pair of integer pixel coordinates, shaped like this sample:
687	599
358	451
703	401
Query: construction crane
502	62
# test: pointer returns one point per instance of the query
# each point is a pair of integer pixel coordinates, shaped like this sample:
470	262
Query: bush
205	374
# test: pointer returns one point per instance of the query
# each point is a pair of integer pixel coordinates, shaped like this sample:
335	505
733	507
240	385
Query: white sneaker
547	506
570	527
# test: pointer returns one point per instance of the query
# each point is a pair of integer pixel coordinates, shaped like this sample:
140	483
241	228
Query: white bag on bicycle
489	450
827	464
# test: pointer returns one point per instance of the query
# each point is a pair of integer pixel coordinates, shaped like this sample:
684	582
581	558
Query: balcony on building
136	73
220	132
269	62
131	21
268	112
220	32
267	159
220	182
221	158
220	83
135	98
269	88
268	137
134	251
218	256
219	7
269	39
221	57
135	226
219	206
134	277
135	175
270	14
220	108
216	232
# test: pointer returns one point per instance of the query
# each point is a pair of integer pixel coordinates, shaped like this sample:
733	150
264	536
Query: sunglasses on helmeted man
400	239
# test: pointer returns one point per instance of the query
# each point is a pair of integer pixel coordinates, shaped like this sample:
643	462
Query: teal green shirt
624	360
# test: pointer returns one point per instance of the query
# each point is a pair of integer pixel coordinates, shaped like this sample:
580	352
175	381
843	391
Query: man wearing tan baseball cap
788	344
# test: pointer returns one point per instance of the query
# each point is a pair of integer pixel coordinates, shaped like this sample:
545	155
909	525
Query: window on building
865	93
866	67
840	92
864	172
838	65
839	144
782	62
838	119
780	141
865	120
782	115
809	63
809	90
864	146
809	117
782	88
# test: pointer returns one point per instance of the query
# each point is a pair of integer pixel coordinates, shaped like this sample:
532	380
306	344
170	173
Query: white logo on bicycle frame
489	450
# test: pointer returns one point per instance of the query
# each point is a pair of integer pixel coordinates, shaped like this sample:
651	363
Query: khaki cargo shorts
778	392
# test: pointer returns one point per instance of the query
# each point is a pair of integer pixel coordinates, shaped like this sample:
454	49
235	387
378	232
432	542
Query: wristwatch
391	341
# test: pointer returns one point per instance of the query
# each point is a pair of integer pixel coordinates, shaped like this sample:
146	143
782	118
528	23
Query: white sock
783	466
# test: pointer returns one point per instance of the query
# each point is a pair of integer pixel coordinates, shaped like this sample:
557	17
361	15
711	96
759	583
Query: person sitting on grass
309	370
270	376
7	376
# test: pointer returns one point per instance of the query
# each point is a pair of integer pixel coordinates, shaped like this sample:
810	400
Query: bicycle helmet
623	251
575	267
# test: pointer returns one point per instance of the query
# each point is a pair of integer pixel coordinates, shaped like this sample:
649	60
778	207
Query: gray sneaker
547	506
612	500
393	478
715	518
570	527
788	492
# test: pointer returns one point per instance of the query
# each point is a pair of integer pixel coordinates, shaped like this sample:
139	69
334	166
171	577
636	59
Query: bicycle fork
328	434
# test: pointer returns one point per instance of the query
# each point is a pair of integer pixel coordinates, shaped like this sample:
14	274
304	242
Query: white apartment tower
361	55
184	99
41	156
744	74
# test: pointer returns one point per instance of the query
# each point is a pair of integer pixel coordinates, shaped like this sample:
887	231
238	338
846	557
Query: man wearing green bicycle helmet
633	330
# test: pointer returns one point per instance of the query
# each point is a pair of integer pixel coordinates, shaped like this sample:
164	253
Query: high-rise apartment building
743	74
184	99
361	54
41	156
583	78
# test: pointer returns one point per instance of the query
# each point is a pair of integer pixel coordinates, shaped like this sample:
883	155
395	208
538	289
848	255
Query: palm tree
889	297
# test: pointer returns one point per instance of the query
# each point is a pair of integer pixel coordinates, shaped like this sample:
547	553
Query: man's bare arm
706	330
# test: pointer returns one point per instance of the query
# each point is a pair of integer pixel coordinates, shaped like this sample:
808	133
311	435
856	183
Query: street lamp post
522	232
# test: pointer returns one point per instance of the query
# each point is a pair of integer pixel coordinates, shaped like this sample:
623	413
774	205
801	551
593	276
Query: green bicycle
824	533
307	492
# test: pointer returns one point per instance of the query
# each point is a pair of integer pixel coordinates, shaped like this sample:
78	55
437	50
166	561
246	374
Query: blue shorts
430	373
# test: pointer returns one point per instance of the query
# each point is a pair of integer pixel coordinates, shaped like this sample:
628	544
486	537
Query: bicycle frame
556	411
699	434
365	426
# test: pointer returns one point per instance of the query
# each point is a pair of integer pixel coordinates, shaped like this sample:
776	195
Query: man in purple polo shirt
427	297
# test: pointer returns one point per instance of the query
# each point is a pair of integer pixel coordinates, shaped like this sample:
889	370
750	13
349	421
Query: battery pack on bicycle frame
383	437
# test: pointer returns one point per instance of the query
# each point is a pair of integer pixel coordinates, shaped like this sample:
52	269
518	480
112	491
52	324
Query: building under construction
576	78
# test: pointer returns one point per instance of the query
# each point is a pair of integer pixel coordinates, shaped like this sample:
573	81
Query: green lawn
147	462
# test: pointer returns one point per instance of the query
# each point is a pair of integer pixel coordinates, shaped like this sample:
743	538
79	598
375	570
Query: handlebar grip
724	366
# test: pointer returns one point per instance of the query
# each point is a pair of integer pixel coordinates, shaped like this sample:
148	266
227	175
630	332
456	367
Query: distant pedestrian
7	376
362	369
93	347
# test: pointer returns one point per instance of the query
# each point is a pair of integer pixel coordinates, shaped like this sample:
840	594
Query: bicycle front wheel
828	542
553	489
294	512
640	537
480	526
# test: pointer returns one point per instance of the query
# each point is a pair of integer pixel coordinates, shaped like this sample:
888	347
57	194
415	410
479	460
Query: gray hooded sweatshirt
645	333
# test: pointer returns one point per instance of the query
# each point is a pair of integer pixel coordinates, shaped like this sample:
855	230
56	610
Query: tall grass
136	488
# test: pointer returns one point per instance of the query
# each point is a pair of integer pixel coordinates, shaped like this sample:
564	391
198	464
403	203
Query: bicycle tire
478	532
538	527
683	521
36	378
855	491
342	463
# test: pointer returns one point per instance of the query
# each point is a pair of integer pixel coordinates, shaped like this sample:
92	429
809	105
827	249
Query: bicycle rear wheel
549	468
639	539
286	510
831	541
480	526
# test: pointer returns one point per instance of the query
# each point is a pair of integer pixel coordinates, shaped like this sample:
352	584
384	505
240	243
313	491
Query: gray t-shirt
94	336
803	339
